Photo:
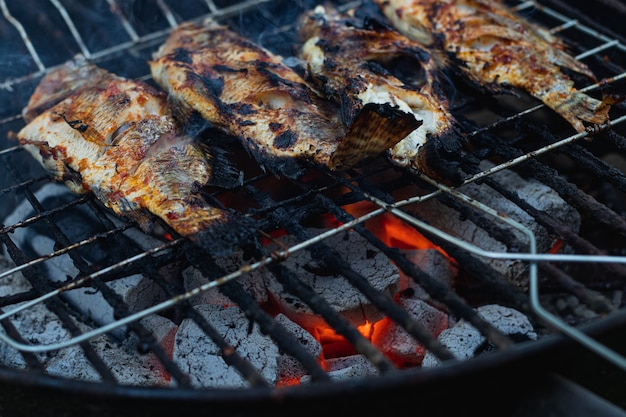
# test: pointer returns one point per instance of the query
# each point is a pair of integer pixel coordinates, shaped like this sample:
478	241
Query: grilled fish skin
346	58
115	137
499	48
249	93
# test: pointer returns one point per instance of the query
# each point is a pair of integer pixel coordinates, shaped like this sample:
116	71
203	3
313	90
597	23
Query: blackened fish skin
117	138
346	58
249	93
497	48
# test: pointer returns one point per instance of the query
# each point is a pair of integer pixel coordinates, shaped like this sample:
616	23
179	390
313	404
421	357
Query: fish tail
223	172
375	129
577	107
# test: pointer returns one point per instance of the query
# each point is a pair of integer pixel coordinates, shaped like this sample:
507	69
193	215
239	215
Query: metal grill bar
70	24
31	49
132	33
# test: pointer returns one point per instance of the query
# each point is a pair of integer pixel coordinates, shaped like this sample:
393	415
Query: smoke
272	25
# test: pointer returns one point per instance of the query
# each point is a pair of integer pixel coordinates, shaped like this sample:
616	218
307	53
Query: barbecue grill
92	308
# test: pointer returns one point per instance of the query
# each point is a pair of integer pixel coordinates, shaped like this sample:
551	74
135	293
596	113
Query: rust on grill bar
373	278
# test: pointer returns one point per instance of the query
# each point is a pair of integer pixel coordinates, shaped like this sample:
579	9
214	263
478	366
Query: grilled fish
497	48
249	93
117	138
347	57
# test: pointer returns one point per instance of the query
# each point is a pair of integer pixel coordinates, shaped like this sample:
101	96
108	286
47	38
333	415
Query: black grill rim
445	388
227	398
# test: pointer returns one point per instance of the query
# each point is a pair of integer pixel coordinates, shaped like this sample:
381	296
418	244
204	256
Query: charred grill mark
348	110
286	139
376	68
214	85
327	47
421	55
330	64
125	101
245	109
182	55
75	124
373	23
275	127
271	72
227	69
119	132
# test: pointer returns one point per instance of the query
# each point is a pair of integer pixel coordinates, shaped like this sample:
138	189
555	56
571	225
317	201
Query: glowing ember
393	231
335	345
557	247
396	233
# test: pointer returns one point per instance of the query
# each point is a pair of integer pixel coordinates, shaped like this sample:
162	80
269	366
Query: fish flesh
351	60
497	48
248	92
117	138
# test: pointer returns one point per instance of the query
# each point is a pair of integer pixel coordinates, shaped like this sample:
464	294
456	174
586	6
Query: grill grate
527	139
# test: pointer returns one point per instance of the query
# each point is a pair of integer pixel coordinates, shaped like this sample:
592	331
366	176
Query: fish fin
565	60
375	129
190	120
577	107
224	174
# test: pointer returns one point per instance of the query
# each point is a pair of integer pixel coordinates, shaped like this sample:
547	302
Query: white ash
129	368
433	263
39	326
346	368
253	282
137	291
36	325
289	367
570	309
533	192
9	285
396	343
200	357
164	331
463	339
334	288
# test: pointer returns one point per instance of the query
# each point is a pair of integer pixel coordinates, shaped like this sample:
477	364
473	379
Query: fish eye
409	70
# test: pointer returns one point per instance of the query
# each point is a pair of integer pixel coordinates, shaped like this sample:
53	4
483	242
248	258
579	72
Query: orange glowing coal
335	345
392	230
556	248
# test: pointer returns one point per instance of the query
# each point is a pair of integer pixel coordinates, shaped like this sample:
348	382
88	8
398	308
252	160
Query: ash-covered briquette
40	326
329	284
136	290
465	341
540	196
